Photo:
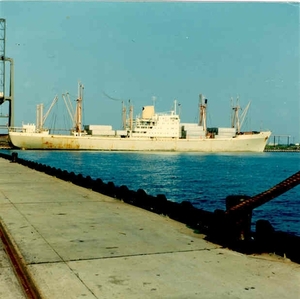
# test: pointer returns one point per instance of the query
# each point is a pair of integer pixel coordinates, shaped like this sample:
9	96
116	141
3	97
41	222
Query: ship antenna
175	104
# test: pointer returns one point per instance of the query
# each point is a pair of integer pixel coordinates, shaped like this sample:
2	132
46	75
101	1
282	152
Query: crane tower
2	62
6	93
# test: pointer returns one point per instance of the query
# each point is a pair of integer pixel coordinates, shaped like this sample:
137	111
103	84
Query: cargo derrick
232	227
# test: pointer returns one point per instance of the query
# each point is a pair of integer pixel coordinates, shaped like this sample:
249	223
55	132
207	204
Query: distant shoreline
282	150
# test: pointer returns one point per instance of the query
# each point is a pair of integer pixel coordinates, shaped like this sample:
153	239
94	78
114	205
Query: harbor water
203	179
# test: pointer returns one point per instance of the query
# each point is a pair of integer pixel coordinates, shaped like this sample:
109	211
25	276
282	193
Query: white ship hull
149	132
238	143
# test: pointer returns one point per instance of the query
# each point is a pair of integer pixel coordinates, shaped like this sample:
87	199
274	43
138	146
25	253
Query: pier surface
76	243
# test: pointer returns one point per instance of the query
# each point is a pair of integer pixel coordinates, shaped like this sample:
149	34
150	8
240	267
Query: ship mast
123	116
39	116
130	116
235	123
202	111
78	115
129	120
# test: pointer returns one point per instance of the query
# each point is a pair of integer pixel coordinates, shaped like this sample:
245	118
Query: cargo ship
150	131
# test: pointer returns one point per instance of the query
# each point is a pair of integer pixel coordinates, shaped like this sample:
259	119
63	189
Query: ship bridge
156	125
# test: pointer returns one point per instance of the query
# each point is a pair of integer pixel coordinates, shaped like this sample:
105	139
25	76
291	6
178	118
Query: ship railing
15	129
27	130
167	113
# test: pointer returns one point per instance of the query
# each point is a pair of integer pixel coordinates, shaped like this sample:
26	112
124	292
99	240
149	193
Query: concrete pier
76	243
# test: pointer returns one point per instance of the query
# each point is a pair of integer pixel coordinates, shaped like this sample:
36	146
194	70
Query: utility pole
4	94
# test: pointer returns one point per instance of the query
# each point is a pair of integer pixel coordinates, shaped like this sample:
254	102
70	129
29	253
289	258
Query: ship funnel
148	112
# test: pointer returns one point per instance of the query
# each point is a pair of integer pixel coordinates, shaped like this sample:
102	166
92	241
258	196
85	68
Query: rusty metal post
14	157
239	225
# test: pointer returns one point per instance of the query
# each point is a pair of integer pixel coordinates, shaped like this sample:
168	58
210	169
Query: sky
139	51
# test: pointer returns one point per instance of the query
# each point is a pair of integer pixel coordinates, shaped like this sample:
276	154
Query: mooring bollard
14	157
240	225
